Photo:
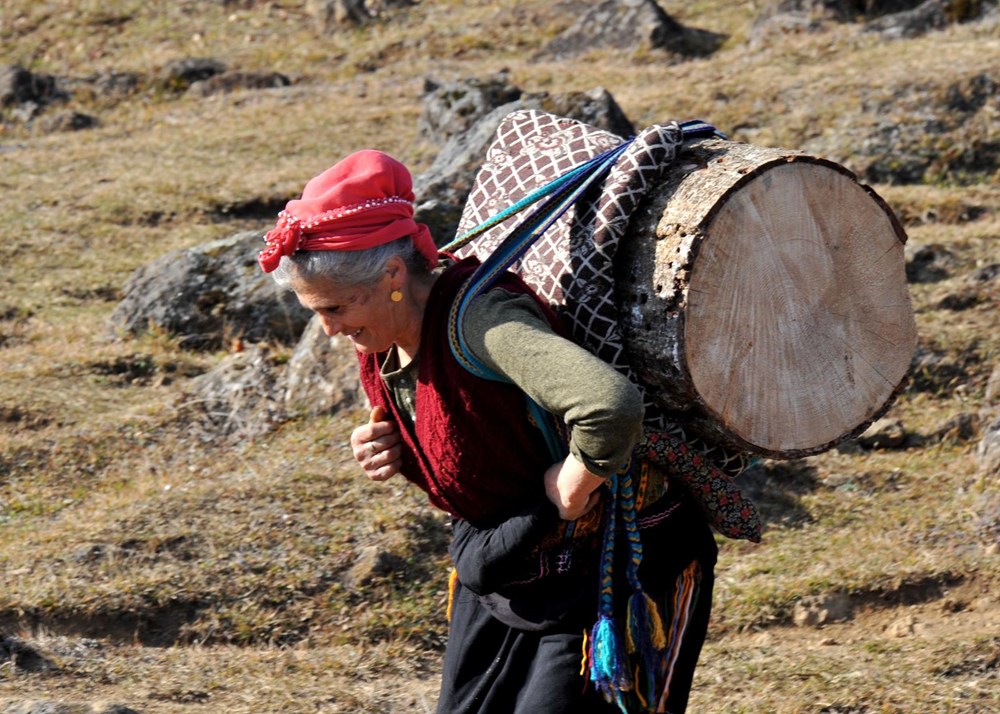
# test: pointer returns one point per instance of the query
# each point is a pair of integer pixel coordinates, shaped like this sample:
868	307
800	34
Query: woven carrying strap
571	265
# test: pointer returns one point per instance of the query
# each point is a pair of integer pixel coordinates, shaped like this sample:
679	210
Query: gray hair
348	268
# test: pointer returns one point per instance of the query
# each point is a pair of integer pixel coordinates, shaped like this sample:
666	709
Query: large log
763	291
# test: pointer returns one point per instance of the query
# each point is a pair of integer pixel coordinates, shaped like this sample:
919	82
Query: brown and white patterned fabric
571	266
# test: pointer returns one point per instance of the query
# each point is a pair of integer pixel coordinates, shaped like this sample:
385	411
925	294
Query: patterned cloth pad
571	266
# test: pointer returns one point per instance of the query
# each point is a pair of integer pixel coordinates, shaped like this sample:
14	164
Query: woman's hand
572	488
377	447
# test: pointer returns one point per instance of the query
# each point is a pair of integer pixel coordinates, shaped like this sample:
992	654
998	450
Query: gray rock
960	427
443	188
928	263
936	371
210	295
637	26
23	657
845	10
992	394
180	74
372	561
227	82
988	451
45	707
884	434
451	108
987	510
53	707
19	86
239	399
322	375
329	14
926	17
66	121
918	132
819	610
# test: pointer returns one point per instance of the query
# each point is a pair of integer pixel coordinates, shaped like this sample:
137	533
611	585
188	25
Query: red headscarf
363	201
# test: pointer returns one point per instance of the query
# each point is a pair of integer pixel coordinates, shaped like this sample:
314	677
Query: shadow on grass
777	487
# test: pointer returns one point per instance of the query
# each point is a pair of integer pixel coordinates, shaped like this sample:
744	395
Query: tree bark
763	292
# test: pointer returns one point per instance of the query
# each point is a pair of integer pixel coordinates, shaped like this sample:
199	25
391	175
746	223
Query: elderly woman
526	524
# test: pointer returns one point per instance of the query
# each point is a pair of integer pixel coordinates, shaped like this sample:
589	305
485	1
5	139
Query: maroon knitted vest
472	448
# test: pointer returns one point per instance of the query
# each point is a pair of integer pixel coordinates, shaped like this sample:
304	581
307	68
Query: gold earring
395	296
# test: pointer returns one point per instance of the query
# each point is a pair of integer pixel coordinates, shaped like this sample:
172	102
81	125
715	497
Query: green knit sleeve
601	408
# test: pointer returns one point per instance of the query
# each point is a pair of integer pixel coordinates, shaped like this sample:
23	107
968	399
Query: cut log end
765	292
798	326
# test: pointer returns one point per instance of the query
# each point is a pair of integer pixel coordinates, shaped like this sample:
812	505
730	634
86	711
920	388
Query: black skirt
494	668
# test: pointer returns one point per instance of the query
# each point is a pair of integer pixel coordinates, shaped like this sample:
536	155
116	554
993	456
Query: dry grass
118	524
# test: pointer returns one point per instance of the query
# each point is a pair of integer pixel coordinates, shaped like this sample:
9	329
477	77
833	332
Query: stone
371	562
992	394
988	450
66	121
329	14
20	86
210	295
451	108
637	26
442	189
322	375
227	82
928	263
239	399
819	610
23	657
923	17
987	510
936	371
959	428
180	74
905	626
885	433
53	707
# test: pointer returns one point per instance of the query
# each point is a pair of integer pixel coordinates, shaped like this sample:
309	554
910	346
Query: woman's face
365	315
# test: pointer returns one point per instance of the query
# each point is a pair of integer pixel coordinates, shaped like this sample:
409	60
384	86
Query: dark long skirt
491	668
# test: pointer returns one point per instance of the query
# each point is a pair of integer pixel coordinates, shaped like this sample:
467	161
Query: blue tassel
608	666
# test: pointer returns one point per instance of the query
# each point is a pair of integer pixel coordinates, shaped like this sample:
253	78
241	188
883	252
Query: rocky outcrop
329	14
238	400
927	16
919	132
451	108
227	82
443	188
19	86
322	375
210	295
22	657
42	706
250	393
640	27
988	451
178	75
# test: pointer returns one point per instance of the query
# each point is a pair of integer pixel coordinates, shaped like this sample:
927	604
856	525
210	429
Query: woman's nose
330	326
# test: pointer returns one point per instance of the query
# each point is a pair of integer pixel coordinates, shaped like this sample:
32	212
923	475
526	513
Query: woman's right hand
377	446
572	488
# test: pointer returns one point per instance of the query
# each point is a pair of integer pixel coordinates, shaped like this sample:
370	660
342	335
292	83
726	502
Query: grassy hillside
146	567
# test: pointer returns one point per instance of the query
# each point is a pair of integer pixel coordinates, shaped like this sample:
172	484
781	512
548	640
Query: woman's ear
395	267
